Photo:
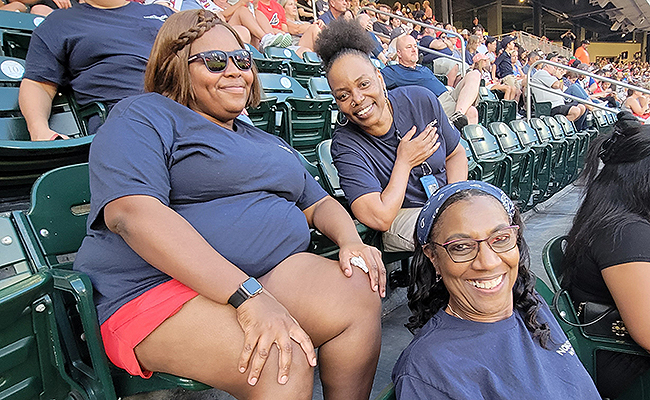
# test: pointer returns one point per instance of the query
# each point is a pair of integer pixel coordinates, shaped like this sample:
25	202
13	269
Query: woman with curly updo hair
198	232
482	332
395	147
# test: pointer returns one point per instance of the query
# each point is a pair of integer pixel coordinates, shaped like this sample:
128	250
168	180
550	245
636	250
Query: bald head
365	21
407	50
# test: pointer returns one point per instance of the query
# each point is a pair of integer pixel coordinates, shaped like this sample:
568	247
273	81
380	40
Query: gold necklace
454	312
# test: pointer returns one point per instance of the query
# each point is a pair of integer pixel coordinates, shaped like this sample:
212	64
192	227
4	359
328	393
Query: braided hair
341	37
168	72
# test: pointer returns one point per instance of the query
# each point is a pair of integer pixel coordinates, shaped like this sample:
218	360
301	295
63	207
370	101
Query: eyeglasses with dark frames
217	60
466	249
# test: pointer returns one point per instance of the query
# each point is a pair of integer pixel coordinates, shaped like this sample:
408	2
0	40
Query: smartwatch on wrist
249	288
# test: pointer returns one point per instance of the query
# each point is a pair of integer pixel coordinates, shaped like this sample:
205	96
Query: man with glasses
99	48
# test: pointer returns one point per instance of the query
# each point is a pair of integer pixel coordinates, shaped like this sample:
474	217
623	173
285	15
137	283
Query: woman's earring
341	119
386	93
438	277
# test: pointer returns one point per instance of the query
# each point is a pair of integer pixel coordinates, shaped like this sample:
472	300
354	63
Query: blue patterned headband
432	206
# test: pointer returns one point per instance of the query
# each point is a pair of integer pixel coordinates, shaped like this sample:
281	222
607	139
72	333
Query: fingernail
252	381
313	362
283	379
242	369
374	288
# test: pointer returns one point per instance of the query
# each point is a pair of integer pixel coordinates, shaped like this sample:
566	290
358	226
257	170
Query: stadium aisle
547	220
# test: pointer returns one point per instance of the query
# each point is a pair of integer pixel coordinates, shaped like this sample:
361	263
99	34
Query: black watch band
249	288
238	298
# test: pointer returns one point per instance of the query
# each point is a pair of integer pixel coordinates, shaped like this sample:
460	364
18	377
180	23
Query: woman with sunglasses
198	229
482	331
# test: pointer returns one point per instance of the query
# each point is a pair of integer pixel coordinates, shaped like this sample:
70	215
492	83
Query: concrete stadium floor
549	219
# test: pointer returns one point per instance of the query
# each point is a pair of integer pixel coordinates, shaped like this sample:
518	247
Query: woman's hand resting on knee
266	322
371	261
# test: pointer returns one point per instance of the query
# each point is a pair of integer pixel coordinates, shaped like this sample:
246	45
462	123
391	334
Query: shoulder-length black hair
426	296
615	195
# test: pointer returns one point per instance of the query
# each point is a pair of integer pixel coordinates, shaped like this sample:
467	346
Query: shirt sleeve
355	174
389	77
632	246
312	191
44	61
127	157
410	388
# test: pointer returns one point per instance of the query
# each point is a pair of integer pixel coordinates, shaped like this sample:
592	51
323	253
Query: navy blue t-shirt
242	190
458	359
365	162
504	65
100	53
428	58
398	75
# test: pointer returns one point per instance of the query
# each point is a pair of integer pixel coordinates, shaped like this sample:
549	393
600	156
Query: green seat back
543	132
19	21
496	166
556	130
13	260
31	358
263	116
14	43
282	86
527	135
281	54
12	70
538	109
60	203
508	110
507	139
320	88
306	123
311	57
474	171
328	171
543	157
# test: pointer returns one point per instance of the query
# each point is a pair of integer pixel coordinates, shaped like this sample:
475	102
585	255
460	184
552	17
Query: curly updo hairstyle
342	37
168	72
426	296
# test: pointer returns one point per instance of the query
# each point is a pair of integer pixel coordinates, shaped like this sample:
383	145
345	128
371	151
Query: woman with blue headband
482	331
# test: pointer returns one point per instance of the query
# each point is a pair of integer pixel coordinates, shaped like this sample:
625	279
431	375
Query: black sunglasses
217	60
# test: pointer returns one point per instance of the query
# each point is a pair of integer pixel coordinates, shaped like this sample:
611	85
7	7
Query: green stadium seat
539	109
306	123
489	107
320	88
559	174
14	264
572	147
474	171
523	163
387	394
311	57
586	346
299	69
32	363
583	138
496	165
603	123
543	161
54	228
282	86
14	43
266	65
263	116
328	171
19	21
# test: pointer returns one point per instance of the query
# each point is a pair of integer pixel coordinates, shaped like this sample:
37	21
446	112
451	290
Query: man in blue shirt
457	103
336	9
99	48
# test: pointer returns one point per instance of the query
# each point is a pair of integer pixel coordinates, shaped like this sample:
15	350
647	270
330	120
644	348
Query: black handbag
597	319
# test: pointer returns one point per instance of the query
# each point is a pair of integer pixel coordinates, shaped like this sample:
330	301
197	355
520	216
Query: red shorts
135	320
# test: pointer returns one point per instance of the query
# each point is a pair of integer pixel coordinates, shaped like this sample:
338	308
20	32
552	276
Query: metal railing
532	42
463	67
531	84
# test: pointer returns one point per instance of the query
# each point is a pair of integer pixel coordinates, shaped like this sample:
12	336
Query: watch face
252	286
